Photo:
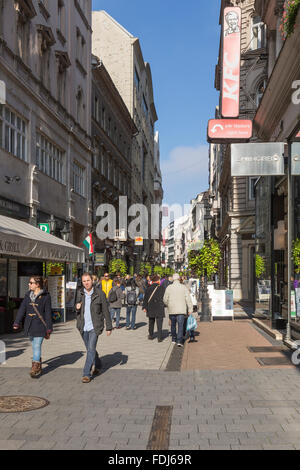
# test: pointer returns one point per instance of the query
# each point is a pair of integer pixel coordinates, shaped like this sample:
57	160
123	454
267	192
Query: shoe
160	340
36	370
128	328
180	345
134	328
173	342
150	337
96	372
86	380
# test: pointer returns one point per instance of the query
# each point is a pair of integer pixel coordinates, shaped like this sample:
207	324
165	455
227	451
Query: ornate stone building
45	145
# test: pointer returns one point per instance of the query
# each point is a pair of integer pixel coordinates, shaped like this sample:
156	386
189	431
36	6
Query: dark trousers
159	324
177	319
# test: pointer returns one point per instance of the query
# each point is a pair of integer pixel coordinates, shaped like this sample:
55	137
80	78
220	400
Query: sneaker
180	345
128	328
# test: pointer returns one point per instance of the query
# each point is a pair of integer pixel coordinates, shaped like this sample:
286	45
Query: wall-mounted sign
139	241
100	259
263	159
296	158
231	62
2	93
44	228
222	130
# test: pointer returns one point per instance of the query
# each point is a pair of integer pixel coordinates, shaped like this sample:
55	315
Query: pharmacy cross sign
44	228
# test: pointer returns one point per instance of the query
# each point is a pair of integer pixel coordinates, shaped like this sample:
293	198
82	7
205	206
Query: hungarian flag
88	242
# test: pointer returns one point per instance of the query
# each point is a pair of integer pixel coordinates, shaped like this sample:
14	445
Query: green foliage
168	272
158	270
53	265
118	266
296	255
205	260
145	269
260	267
289	17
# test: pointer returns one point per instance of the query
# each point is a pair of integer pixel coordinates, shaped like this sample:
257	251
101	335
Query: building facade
121	54
45	145
234	199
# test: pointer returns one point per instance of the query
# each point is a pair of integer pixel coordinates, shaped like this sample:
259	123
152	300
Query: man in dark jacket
154	307
92	310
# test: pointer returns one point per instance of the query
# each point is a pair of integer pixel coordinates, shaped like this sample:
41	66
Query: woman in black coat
154	306
36	300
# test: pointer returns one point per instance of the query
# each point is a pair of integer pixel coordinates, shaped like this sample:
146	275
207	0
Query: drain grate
274	361
159	438
261	349
21	404
175	360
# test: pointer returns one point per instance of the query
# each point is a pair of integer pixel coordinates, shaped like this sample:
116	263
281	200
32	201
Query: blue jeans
36	348
116	311
90	340
131	309
177	319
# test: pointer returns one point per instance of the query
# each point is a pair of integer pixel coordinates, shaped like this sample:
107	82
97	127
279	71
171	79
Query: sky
180	40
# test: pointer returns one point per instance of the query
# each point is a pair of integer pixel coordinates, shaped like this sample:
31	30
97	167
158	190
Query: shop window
13	133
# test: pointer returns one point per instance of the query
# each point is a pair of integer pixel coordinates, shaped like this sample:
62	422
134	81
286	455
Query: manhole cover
20	404
274	361
260	349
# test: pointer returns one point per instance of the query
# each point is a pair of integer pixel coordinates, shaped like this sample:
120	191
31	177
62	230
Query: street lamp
206	313
52	224
65	232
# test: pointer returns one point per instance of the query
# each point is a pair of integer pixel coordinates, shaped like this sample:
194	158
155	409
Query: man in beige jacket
178	302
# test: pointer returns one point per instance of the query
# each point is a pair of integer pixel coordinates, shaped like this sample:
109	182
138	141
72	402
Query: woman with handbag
154	307
36	308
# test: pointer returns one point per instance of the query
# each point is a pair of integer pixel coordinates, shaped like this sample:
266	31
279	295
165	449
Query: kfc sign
231	62
220	130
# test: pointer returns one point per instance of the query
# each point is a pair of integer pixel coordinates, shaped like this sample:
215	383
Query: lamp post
206	313
52	224
65	232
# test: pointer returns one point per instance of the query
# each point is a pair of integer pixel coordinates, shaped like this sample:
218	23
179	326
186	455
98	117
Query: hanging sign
231	62
222	130
263	159
296	159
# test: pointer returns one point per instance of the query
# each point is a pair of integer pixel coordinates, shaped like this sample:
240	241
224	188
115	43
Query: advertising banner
231	62
221	130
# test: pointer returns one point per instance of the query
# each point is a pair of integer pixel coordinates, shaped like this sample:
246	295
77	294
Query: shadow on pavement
111	360
60	361
15	353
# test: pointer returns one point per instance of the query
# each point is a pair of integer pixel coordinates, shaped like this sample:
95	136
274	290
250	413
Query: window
13	133
145	106
49	159
78	179
258	34
252	182
260	91
96	109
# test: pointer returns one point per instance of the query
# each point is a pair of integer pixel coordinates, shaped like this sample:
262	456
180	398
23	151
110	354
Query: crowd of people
98	305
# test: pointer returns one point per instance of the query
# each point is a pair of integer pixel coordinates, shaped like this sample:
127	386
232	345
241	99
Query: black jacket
99	311
33	325
156	307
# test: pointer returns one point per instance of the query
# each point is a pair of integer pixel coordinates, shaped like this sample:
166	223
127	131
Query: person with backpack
154	307
115	298
36	308
132	294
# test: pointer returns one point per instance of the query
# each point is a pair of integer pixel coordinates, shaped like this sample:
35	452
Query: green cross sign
44	227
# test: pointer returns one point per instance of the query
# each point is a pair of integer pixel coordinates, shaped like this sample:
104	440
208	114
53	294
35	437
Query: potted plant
288	21
118	265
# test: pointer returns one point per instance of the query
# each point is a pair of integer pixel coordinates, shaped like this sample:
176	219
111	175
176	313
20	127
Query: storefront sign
100	259
2	92
263	159
139	241
296	159
44	228
221	130
231	62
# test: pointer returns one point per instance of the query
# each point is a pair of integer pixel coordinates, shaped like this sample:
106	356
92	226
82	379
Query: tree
205	261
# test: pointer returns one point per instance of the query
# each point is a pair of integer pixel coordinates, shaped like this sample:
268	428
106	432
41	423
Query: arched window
260	91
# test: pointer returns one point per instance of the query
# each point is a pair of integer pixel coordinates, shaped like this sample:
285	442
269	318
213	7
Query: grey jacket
177	299
99	311
120	295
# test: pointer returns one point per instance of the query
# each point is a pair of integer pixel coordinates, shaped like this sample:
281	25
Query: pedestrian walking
154	307
92	311
141	285
36	308
132	293
106	284
115	298
177	300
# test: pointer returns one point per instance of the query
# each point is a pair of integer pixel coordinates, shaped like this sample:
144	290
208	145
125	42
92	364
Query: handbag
47	335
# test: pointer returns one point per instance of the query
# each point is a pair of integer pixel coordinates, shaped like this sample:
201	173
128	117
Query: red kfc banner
231	62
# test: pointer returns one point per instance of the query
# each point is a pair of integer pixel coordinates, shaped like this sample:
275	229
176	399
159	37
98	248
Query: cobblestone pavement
212	409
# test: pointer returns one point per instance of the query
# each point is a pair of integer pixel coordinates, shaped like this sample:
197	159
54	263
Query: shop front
26	251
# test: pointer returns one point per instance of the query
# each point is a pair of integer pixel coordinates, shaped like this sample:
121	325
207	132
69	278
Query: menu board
57	291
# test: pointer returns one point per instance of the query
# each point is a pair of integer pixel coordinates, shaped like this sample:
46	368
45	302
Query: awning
21	239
